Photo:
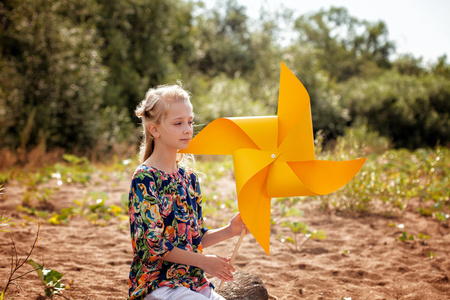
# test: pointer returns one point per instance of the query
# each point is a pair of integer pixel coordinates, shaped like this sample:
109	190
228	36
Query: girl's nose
187	130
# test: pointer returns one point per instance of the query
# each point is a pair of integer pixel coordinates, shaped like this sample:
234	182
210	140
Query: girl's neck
163	161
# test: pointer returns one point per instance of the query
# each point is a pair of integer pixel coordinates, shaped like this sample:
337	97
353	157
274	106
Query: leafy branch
16	263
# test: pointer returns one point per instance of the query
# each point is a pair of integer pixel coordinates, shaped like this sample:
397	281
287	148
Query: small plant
302	228
51	279
4	177
4	222
423	237
406	237
16	263
410	237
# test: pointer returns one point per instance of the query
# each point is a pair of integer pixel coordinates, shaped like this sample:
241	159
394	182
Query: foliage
52	84
75	170
51	279
388	182
92	207
413	111
345	46
74	71
17	264
4	222
227	97
301	228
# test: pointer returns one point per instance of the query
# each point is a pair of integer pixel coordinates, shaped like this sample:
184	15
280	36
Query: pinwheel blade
263	131
283	182
220	137
324	177
248	163
298	145
293	101
254	206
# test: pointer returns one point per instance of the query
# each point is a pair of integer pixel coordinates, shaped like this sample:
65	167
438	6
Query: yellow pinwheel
273	156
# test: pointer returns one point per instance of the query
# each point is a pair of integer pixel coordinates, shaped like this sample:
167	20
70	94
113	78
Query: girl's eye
180	123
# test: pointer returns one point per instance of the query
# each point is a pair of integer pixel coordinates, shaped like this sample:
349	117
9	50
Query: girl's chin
184	145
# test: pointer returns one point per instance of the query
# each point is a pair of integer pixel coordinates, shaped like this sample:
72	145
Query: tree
144	43
344	44
52	86
223	42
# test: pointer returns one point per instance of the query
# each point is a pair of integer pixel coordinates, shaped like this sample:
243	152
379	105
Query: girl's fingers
227	259
226	275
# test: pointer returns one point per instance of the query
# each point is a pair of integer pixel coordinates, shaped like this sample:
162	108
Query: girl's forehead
179	110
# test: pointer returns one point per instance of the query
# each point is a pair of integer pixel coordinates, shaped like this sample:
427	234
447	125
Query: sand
361	257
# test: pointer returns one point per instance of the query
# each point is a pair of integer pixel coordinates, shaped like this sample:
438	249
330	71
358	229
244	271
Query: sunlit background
418	27
72	72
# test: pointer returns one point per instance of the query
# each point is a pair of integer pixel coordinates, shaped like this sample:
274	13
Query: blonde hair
154	109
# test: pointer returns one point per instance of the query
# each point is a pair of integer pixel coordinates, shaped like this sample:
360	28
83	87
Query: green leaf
294	212
441	216
50	278
296	227
318	235
438	205
290	240
98	204
423	236
425	211
406	237
53	220
38	268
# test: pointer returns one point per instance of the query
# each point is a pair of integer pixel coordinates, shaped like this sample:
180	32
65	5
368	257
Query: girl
165	208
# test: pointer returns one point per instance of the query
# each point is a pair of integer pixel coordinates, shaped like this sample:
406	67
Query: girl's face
175	131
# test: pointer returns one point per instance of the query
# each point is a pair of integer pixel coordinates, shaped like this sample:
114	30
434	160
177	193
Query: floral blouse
165	212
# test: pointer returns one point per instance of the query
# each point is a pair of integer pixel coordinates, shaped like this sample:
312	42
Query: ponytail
147	146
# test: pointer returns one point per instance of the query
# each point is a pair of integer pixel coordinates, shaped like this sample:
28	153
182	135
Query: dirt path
361	257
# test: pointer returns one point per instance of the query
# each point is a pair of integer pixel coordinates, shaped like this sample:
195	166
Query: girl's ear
153	129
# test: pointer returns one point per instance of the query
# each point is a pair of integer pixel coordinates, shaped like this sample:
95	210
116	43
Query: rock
244	287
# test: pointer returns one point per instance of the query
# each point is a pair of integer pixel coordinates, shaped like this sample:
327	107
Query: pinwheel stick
236	249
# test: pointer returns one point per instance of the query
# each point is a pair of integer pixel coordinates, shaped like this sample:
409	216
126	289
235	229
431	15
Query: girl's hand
218	266
237	225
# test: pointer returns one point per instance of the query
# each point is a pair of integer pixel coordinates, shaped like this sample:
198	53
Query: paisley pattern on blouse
165	212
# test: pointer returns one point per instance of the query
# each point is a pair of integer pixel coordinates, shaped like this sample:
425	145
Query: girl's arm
214	236
215	265
211	264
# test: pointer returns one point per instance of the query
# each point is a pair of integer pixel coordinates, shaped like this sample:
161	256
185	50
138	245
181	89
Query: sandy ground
361	257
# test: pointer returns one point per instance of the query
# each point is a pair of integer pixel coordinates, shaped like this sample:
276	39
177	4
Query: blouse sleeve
146	223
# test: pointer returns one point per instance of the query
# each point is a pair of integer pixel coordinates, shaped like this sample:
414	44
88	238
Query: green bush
413	111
